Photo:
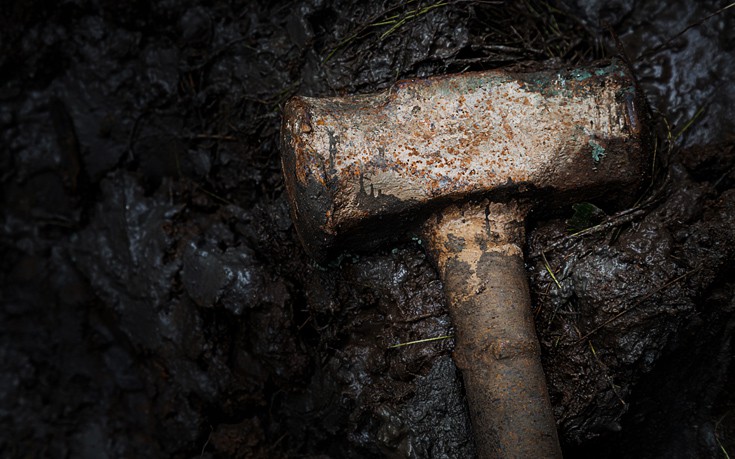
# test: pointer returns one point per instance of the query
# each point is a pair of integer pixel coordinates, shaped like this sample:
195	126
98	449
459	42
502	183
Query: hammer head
361	169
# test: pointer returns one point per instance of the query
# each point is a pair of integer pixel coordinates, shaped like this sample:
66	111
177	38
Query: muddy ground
156	301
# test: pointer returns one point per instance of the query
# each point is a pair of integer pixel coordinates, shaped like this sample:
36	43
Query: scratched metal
350	159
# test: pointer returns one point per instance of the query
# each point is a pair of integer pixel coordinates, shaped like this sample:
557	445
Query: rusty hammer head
359	169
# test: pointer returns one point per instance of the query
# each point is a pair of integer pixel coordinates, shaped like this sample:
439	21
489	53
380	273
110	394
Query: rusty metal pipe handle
478	253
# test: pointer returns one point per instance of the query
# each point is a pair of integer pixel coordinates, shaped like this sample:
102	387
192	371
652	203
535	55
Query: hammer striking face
357	164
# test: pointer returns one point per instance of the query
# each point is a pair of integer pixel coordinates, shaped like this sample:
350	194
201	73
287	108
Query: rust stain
464	133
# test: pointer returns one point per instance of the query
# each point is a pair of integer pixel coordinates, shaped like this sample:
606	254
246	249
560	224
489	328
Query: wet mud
156	301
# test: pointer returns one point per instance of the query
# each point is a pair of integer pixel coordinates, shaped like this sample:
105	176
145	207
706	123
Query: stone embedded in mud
212	277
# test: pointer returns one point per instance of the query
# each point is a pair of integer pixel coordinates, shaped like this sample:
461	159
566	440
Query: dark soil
156	301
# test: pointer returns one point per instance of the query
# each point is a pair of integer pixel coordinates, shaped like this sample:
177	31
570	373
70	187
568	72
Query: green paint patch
598	151
581	75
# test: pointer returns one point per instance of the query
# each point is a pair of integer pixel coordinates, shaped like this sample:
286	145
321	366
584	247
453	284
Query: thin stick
620	219
658	48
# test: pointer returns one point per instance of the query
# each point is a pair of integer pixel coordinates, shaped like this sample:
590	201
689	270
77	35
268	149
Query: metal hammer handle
478	250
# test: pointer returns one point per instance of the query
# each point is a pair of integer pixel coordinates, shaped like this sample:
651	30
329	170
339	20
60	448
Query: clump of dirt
156	301
632	295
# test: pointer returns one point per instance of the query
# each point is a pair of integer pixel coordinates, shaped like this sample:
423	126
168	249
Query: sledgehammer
462	159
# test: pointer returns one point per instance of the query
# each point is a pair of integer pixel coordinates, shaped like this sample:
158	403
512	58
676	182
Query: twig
205	191
619	219
659	47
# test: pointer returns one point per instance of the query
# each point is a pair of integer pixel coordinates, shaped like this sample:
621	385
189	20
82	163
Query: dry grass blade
410	15
427	340
613	387
689	123
395	21
717	437
548	269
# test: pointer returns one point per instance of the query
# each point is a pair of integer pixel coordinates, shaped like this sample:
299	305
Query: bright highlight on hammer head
374	164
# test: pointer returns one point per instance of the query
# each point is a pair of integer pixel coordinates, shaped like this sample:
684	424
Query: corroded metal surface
363	165
353	159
